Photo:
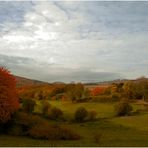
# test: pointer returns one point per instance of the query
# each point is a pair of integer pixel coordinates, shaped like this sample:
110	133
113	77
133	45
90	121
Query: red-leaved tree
8	95
97	91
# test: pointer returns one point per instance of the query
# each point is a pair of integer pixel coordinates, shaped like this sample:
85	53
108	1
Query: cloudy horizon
68	41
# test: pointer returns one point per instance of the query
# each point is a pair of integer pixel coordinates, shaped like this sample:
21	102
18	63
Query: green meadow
107	130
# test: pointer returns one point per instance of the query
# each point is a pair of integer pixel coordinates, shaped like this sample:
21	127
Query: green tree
81	114
28	105
123	108
143	82
128	88
45	107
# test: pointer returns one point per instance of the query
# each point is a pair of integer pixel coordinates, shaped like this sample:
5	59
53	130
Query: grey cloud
87	76
14	63
68	41
25	67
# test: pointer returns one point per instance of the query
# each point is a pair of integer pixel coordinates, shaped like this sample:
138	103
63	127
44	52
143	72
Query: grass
114	131
104	110
139	122
112	135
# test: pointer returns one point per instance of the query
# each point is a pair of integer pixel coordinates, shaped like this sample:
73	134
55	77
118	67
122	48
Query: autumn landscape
73	74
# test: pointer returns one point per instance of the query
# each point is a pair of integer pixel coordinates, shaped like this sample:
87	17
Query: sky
86	41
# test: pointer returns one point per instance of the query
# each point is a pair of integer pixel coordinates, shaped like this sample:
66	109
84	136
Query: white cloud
67	38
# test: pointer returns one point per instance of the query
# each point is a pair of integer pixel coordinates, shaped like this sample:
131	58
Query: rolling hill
21	81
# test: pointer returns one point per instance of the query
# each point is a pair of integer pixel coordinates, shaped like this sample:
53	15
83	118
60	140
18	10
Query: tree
8	95
28	105
123	108
143	85
75	91
45	107
80	114
128	88
97	91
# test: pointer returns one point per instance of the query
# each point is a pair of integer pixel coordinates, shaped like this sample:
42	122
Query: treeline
137	89
73	92
77	92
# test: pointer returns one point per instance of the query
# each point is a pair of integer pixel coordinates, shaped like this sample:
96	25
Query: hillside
21	81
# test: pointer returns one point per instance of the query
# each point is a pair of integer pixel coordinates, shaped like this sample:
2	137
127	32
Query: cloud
74	40
52	73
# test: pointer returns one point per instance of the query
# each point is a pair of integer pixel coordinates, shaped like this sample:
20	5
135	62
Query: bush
40	131
46	131
28	105
92	115
45	108
23	118
80	114
123	108
68	134
55	114
24	121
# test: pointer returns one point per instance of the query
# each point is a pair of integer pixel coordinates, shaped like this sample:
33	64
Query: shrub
123	108
46	131
22	122
92	115
45	108
40	131
28	105
26	121
68	134
55	113
80	114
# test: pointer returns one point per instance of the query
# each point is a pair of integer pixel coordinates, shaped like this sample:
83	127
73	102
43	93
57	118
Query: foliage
73	92
143	84
123	108
8	96
136	89
45	107
97	91
26	120
22	122
49	132
57	89
55	113
129	89
80	114
76	92
28	105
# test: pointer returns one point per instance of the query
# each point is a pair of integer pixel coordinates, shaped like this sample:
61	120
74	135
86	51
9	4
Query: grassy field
113	131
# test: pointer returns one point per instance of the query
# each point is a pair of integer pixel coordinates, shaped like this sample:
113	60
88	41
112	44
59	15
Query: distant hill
107	82
104	83
21	81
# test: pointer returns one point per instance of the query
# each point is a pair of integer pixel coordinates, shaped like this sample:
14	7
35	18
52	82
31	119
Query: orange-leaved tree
97	91
8	95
